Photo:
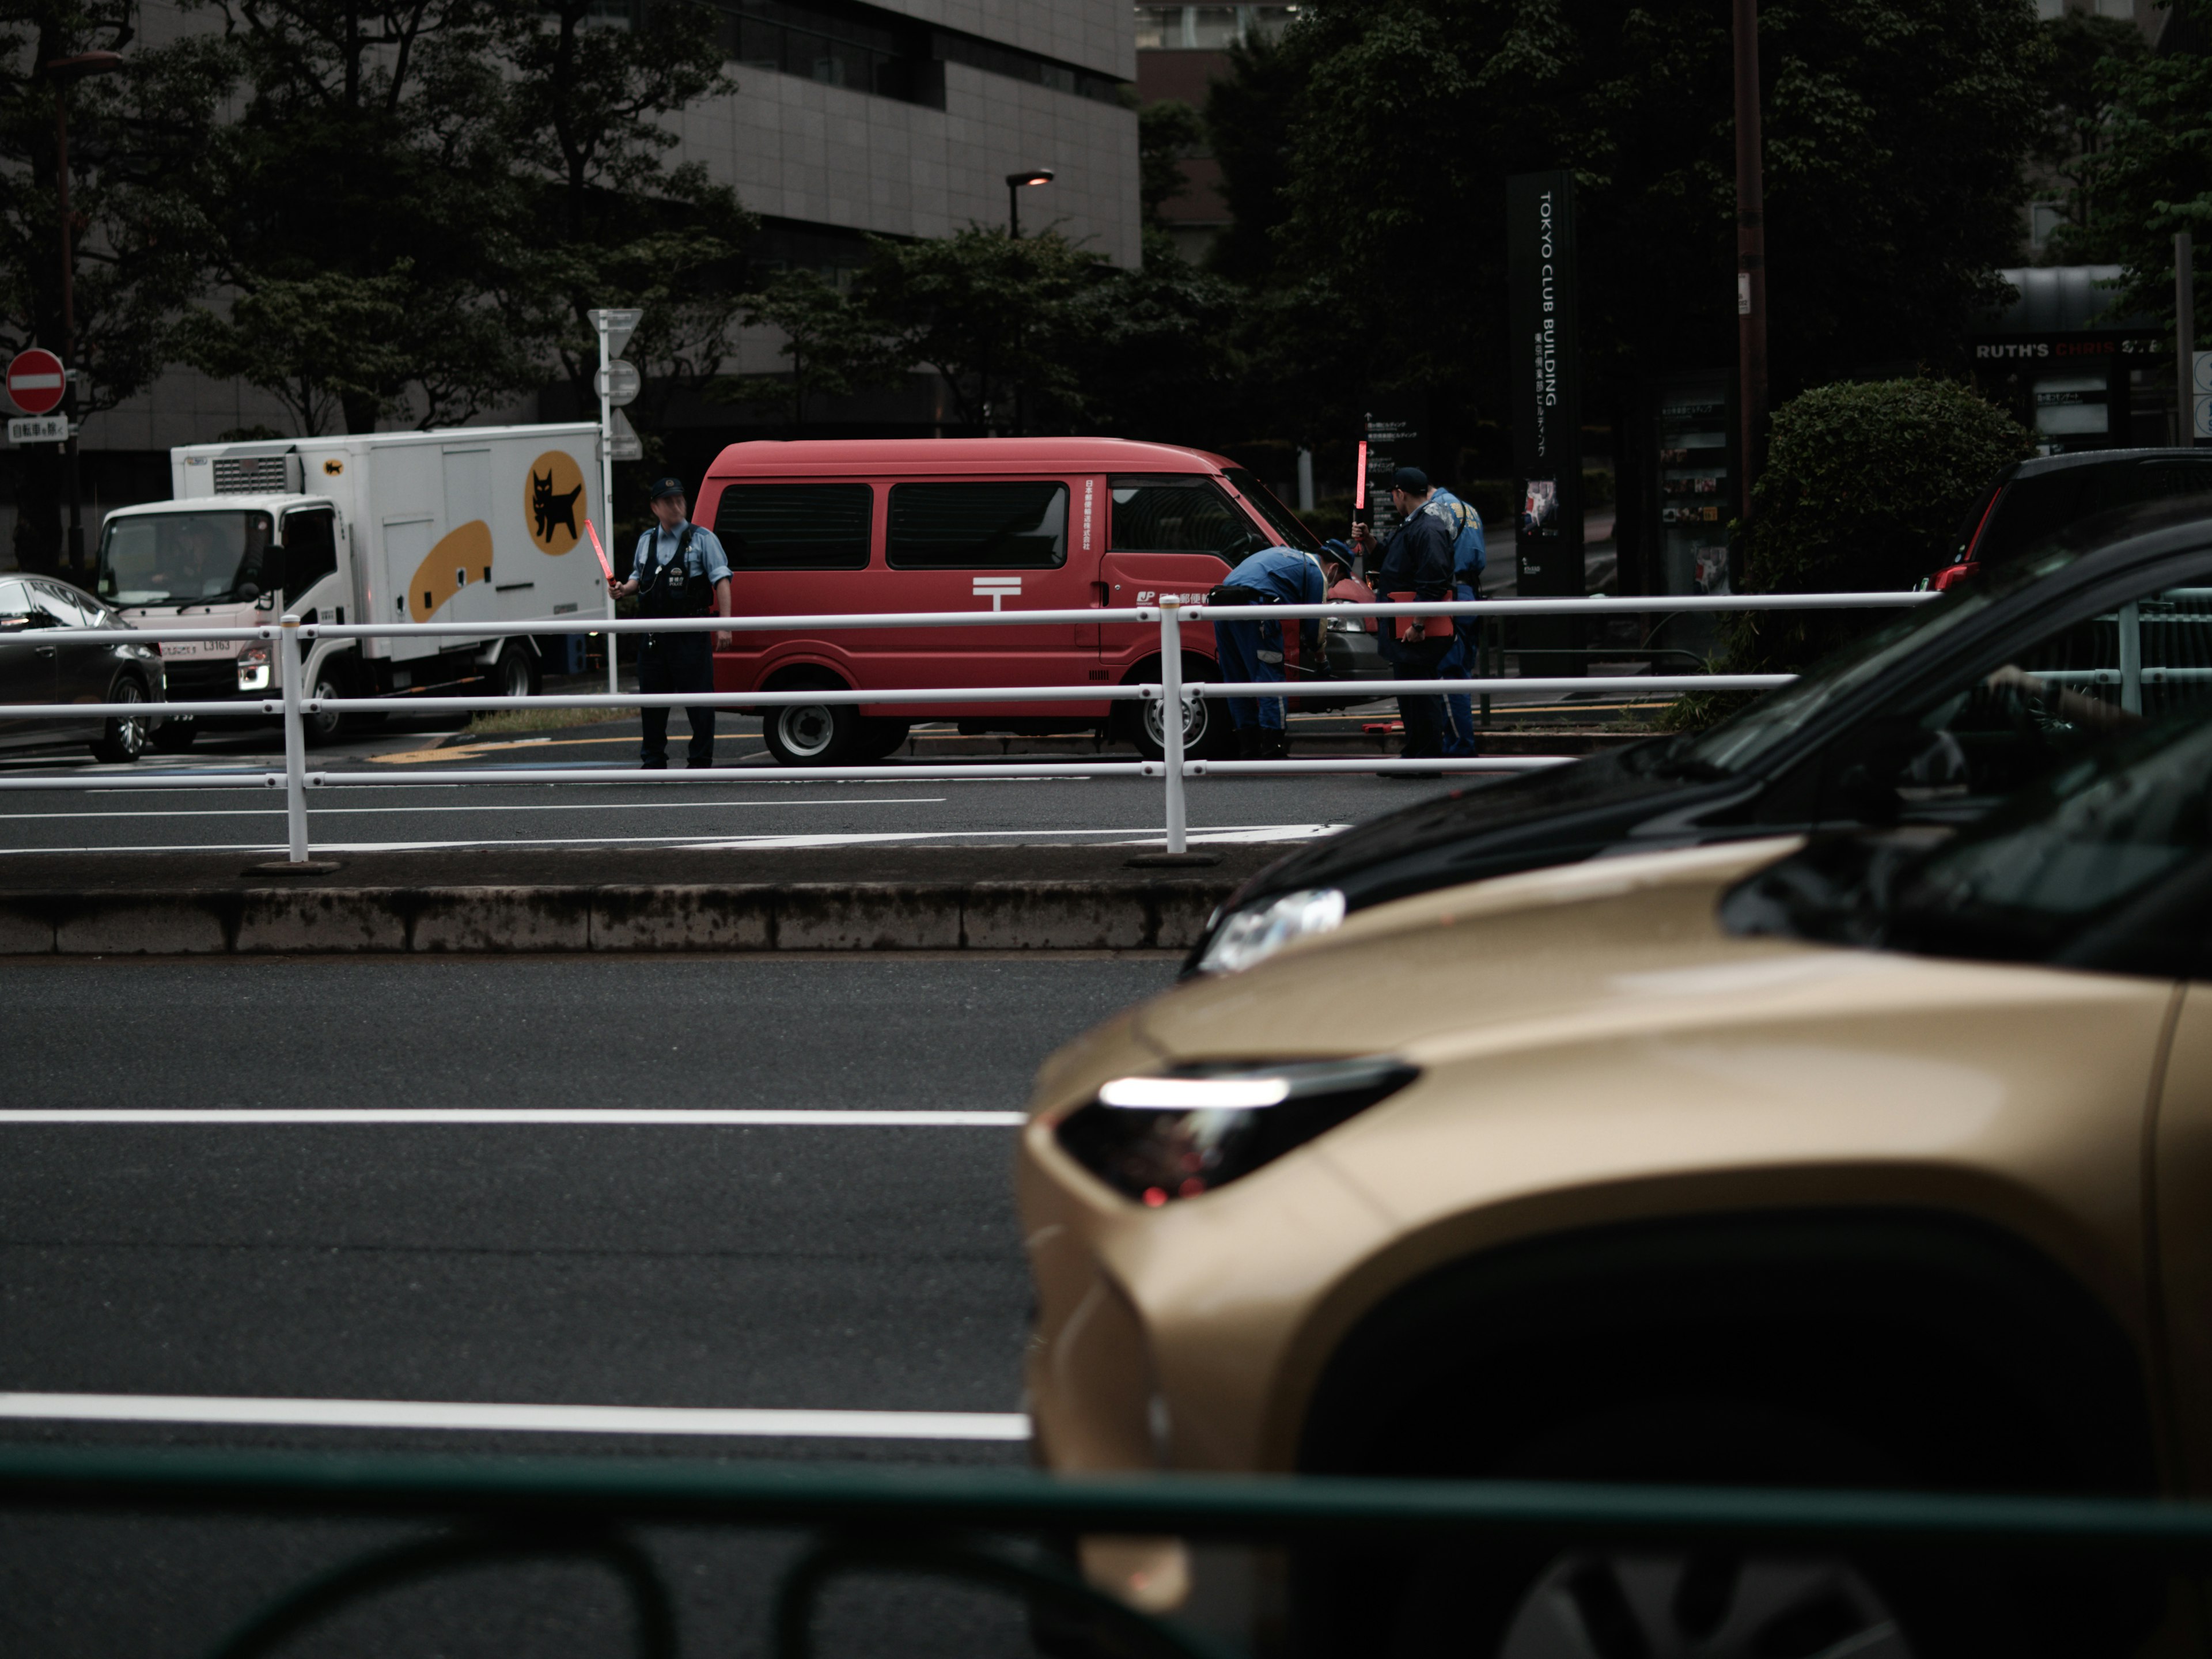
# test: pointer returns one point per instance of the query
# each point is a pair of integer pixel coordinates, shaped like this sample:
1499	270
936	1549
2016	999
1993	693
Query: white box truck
470	523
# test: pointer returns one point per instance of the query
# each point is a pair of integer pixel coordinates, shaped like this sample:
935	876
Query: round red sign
34	381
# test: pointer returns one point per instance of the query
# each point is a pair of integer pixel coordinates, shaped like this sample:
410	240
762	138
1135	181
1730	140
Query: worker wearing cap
679	570
1469	557
1417	563
1252	651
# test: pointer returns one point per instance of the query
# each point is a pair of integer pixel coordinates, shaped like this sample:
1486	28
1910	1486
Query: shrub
1863	491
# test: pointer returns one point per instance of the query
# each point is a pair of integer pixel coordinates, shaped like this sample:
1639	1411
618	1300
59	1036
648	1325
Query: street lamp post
62	71
1750	250
1015	181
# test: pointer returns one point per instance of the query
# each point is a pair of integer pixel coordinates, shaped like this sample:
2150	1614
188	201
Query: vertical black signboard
1543	378
1394	439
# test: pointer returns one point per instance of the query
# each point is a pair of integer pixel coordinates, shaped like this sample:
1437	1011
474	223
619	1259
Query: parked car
1913	724
42	661
1881	1161
985	524
2031	499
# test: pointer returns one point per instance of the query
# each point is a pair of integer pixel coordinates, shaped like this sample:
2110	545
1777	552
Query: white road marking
704	1117
472	1417
1136	835
580	806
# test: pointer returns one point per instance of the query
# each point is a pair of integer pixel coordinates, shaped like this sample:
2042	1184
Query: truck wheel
125	735
176	734
515	673
326	725
811	734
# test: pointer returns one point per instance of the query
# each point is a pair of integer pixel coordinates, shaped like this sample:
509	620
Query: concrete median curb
1132	913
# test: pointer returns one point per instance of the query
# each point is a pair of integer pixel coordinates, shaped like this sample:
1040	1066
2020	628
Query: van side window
1179	514
978	526
796	526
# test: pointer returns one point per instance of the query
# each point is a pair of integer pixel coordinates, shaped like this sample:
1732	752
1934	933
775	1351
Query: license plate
199	647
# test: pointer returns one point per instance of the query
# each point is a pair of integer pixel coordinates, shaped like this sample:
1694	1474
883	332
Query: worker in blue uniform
1469	557
1417	560
1252	651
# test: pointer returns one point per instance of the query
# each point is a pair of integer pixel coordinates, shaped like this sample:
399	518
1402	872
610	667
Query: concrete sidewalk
626	899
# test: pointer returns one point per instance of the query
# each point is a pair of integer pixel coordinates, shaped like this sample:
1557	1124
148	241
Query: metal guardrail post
2131	657
296	745
1171	716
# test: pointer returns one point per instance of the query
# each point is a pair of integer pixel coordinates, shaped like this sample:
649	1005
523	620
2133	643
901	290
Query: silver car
44	659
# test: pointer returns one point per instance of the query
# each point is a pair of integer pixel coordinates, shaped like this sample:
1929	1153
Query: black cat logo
549	509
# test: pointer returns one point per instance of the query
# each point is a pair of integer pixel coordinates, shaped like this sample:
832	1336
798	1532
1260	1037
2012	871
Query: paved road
837	1267
772	811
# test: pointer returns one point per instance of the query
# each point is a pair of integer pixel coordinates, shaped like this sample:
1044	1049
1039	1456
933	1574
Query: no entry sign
34	381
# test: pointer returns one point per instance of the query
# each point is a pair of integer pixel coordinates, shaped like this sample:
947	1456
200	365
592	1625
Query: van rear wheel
812	734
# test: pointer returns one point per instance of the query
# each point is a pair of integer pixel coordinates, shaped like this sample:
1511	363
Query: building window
842	43
1208	29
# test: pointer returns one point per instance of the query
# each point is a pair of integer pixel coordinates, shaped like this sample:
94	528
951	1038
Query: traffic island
621	901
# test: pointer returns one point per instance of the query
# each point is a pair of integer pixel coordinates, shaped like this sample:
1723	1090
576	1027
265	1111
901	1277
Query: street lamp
1014	183
62	71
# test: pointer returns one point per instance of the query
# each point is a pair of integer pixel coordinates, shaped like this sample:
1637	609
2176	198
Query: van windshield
182	558
1285	524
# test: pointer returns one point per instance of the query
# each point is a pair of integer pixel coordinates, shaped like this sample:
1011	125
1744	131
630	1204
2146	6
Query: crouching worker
1253	651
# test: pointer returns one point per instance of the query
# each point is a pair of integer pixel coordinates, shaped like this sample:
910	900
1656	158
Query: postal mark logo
555	490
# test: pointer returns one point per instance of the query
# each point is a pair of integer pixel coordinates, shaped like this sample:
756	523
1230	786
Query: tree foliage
1893	134
1167	133
832	346
2153	175
138	145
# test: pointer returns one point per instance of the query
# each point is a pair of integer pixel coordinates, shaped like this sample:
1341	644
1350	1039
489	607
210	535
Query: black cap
1411	479
666	487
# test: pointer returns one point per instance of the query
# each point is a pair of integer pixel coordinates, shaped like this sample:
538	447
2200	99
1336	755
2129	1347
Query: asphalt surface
834	1267
778	810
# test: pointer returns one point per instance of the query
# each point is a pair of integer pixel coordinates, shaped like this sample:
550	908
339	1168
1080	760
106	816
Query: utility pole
62	71
1750	251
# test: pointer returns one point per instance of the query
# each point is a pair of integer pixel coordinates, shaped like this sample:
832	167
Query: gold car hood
1513	959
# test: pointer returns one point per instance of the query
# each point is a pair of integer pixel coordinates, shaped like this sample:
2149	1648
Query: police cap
665	487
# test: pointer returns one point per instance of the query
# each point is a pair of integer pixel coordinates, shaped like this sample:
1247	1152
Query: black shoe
692	763
1275	745
1248	743
660	765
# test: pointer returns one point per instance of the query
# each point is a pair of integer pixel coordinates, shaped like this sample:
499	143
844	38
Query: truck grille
253	475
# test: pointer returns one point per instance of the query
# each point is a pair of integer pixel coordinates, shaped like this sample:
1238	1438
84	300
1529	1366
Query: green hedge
1864	491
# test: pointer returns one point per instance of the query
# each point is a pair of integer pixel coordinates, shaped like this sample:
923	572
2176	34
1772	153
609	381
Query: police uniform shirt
703	558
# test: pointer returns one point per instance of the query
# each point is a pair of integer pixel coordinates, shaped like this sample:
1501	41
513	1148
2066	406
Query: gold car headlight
1254	934
1183	1135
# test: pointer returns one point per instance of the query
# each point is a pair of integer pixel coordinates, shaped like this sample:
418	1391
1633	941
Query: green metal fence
954	1523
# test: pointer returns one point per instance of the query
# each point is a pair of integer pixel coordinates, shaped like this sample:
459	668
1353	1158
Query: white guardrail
289	705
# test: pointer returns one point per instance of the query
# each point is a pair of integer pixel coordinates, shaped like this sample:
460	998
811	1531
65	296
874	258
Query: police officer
1250	651
679	570
1416	559
1464	526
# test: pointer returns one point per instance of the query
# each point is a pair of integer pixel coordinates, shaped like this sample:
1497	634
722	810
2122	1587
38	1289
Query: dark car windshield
1284	523
2106	863
1744	739
181	558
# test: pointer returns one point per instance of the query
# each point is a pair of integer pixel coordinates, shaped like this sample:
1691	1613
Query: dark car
1933	717
44	659
2032	499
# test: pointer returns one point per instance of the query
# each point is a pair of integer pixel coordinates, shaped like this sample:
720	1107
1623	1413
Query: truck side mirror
247	591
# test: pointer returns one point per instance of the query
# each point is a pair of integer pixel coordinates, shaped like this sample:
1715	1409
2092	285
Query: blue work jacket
1464	525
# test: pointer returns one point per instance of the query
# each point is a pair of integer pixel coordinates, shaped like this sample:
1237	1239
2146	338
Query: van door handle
46	650
1098	596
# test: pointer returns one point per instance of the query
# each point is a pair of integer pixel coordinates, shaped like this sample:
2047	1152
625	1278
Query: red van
980	524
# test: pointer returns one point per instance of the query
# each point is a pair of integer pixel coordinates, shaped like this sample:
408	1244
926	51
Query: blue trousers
1238	645
1459	665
